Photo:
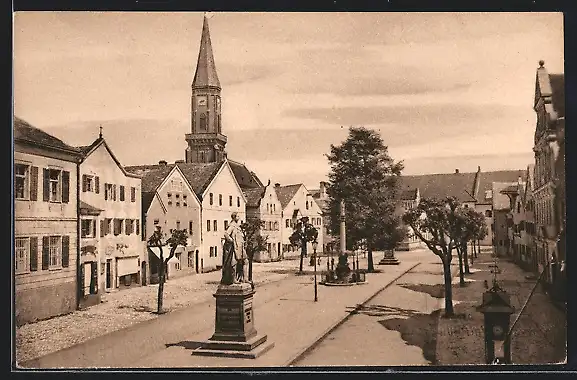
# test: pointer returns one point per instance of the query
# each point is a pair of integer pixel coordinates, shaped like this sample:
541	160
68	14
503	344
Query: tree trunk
478	248
159	309
466	259
449	312
303	252
461	271
370	264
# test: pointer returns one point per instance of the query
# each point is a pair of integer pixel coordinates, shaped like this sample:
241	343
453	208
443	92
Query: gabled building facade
169	202
111	248
263	205
410	199
297	202
322	199
46	227
549	106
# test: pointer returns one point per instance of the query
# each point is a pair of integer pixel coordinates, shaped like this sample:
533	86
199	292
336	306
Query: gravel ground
538	338
126	308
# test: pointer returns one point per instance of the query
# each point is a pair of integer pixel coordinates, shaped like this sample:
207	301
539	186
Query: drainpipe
78	271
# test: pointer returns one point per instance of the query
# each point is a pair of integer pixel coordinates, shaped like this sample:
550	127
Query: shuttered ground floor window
21	254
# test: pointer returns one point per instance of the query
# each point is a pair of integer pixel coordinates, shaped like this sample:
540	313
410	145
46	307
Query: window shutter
45	252
121	193
34	183
33	253
113	192
65	186
102	230
65	251
82	276
93	277
137	222
46	185
127	225
94	228
133	194
83	183
97	184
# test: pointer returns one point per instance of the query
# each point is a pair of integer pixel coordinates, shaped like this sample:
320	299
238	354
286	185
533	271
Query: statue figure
235	262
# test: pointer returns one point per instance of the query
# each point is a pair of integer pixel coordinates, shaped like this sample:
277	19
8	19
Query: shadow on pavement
185	344
416	329
436	291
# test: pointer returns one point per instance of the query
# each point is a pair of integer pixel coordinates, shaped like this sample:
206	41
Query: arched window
203	121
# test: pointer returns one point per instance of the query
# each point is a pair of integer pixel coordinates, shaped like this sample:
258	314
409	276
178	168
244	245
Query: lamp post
315	244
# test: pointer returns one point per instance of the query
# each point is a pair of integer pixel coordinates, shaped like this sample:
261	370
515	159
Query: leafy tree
304	232
253	239
366	178
158	240
434	221
469	225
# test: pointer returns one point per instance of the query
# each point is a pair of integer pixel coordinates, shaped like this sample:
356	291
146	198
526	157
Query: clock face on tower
201	100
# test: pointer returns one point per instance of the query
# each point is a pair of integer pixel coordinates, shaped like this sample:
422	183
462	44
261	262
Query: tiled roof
199	175
459	185
85	207
558	93
286	193
500	200
409	195
85	149
253	196
245	178
28	133
486	182
152	176
205	74
510	189
147	200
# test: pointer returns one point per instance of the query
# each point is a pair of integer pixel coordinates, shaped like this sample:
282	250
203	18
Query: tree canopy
366	178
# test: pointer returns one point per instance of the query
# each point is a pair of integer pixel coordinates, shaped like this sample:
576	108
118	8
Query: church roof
205	75
286	193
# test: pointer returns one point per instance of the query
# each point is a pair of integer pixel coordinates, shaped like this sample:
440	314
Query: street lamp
315	244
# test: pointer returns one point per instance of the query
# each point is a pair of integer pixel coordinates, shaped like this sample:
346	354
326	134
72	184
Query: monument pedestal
234	333
389	258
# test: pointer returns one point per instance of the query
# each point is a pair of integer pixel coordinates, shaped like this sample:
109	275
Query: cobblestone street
128	307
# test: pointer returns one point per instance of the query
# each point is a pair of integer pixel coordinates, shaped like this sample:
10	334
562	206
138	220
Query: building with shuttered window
112	253
45	224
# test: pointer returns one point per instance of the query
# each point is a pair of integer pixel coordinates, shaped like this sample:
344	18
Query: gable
224	182
177	182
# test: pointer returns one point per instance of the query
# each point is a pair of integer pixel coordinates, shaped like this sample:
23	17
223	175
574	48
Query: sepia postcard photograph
196	190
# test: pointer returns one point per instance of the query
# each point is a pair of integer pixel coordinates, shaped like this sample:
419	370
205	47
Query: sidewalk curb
327	332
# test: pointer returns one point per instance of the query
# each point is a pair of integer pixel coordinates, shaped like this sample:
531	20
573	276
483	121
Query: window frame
55	252
26	249
26	178
58	182
91	228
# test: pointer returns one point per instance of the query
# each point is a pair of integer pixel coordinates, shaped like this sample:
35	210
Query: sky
446	91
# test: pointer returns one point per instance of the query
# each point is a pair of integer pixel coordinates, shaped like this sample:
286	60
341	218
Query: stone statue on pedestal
235	265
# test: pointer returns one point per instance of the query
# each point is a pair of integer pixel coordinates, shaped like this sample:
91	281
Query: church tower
206	142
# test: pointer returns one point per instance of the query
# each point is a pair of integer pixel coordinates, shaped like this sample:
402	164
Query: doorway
108	274
143	273
196	261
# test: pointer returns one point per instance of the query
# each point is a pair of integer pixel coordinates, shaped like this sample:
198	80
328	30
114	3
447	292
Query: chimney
162	162
478	169
456	171
277	185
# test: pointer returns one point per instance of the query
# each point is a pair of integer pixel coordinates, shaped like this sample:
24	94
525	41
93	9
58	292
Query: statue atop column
235	265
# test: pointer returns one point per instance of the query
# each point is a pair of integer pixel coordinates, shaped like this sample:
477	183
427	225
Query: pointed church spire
205	75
